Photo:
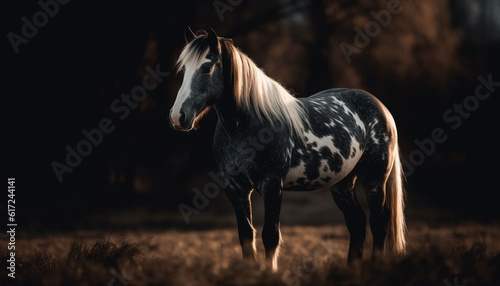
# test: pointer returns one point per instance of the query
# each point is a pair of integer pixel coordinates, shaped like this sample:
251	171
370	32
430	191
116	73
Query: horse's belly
321	165
297	180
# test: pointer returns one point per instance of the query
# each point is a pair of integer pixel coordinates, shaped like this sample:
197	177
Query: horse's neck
229	115
227	112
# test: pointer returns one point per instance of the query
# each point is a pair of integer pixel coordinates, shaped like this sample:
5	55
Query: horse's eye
206	70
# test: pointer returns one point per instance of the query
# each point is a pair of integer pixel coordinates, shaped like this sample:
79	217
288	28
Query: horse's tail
395	201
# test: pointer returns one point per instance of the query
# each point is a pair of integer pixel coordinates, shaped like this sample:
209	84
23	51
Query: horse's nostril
182	117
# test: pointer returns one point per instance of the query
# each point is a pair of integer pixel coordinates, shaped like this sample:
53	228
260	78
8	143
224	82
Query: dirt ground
311	255
145	247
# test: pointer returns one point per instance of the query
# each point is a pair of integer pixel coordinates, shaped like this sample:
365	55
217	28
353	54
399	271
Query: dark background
63	81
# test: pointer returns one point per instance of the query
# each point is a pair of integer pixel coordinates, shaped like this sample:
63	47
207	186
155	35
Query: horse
269	141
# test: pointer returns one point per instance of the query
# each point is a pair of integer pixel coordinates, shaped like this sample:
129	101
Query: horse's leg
355	218
271	194
242	207
379	214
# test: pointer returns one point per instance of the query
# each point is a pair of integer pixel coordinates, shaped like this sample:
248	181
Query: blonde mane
254	90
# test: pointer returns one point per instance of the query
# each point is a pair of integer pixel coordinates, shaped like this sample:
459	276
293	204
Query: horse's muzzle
179	121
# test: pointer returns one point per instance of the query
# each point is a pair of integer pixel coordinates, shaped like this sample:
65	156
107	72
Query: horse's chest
323	163
246	157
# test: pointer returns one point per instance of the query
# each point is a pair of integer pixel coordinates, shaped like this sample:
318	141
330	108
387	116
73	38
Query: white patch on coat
347	163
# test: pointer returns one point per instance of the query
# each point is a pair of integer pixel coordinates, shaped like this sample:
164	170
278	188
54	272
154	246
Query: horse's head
203	82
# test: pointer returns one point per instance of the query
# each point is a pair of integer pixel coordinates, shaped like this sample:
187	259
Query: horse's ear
188	34
213	40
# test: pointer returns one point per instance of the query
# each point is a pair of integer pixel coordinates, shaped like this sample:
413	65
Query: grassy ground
468	253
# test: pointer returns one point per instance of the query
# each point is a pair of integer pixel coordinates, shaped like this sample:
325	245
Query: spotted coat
337	136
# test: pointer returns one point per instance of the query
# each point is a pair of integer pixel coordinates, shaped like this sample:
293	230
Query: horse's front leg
242	207
271	193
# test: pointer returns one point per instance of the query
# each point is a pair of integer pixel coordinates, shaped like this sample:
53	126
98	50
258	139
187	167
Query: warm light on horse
327	140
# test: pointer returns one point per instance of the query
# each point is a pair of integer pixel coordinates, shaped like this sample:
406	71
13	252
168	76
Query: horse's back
371	117
356	99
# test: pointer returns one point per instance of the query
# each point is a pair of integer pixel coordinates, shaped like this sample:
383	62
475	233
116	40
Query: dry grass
310	256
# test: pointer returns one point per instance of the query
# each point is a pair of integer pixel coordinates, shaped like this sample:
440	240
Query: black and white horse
269	141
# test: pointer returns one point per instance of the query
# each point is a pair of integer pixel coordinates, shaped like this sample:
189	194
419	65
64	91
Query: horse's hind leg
379	213
355	218
242	207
